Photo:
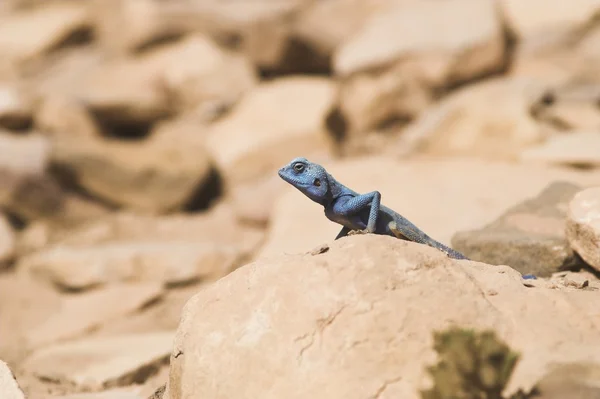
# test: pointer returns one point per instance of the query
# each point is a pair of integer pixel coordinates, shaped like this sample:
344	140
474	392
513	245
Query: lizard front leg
353	205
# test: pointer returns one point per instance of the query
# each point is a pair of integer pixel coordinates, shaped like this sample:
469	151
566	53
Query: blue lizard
357	213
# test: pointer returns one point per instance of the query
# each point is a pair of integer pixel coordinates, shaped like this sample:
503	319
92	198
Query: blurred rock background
139	143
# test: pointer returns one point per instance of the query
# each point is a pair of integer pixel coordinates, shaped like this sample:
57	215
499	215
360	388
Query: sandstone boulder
24	304
143	89
94	363
64	116
350	323
529	237
83	313
116	393
9	388
16	107
313	24
169	263
491	119
572	148
216	226
272	124
207	75
398	32
24	154
583	225
29	192
570	107
30	33
392	59
539	22
129	26
156	175
25	189
555	42
573	381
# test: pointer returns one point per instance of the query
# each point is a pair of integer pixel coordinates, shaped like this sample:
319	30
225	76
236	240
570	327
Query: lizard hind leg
393	228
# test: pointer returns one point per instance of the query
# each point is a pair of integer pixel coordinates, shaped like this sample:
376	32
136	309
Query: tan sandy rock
116	393
25	189
580	148
367	101
95	363
16	106
30	33
207	75
61	115
267	37
583	225
570	107
313	24
217	226
24	154
556	42
24	304
7	241
573	381
155	175
557	67
131	25
350	323
491	119
82	313
142	89
259	28
541	20
9	387
453	32
391	60
473	193
168	262
64	75
529	237
273	123
253	202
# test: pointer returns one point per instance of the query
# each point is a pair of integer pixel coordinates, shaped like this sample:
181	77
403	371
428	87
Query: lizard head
310	178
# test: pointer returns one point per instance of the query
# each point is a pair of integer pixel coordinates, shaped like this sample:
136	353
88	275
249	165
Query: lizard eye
298	167
317	182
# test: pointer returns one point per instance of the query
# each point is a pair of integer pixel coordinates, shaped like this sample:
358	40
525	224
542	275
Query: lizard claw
357	232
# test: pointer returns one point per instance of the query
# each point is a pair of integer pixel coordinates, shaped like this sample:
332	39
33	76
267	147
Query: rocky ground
146	239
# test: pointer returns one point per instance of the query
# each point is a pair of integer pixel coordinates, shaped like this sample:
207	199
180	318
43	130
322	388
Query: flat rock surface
583	225
83	313
350	323
456	28
102	362
156	261
219	226
573	148
473	192
529	237
108	394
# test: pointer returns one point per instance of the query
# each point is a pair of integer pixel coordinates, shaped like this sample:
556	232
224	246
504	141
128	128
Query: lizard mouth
283	175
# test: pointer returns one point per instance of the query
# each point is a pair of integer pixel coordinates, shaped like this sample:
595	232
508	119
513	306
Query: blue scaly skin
357	213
